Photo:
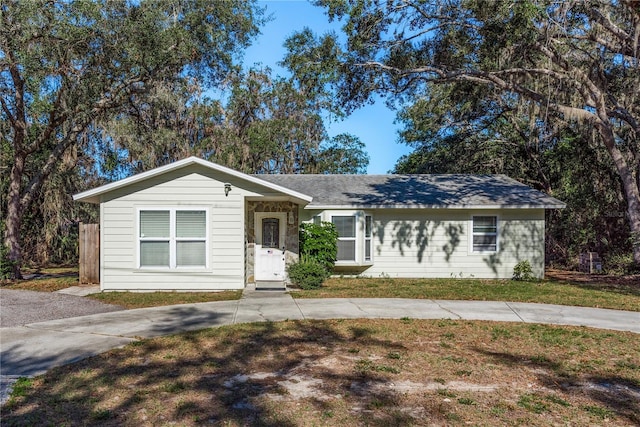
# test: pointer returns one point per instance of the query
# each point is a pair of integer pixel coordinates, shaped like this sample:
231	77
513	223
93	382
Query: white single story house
196	225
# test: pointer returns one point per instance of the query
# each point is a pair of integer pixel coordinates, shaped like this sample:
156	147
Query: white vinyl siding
432	243
189	189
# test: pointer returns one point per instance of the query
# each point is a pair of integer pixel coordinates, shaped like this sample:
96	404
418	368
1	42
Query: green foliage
318	251
343	154
620	264
318	242
272	125
503	89
70	70
522	271
21	387
307	274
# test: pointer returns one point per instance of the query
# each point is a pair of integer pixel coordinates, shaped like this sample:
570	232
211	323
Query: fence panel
89	249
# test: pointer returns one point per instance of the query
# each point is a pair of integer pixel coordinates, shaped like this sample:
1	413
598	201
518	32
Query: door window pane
271	233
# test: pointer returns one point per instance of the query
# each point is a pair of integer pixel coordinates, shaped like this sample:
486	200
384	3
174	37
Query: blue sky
373	124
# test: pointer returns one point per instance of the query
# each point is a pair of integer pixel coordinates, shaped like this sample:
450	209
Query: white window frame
367	240
472	234
361	239
353	239
173	239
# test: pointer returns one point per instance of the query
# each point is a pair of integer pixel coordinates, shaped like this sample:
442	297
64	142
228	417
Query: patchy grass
158	299
605	295
45	279
56	278
345	373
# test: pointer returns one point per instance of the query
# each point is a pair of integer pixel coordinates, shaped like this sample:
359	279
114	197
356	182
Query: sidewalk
37	347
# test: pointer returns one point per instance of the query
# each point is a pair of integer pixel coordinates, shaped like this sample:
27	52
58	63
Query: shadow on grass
617	394
215	380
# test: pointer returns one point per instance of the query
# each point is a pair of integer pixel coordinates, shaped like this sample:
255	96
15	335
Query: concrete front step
264	285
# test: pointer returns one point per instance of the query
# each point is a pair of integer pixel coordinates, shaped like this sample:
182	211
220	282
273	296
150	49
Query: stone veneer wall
292	243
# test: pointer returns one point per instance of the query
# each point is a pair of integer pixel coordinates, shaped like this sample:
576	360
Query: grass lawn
46	279
158	299
54	279
346	373
592	291
601	295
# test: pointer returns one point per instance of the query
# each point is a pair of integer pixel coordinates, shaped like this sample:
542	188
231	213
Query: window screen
173	238
485	234
154	224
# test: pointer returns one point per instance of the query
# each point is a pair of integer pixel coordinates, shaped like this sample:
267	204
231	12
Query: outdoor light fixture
291	218
227	188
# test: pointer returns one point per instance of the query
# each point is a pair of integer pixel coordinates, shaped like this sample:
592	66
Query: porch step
270	285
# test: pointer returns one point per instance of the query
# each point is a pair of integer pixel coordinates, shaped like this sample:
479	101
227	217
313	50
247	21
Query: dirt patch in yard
349	373
601	281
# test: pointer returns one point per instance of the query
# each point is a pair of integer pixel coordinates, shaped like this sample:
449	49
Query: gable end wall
197	187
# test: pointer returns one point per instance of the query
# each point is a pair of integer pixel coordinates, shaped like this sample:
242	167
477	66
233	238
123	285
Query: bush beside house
318	252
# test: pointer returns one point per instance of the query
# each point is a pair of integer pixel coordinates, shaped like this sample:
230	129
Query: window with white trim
368	233
346	226
485	234
172	238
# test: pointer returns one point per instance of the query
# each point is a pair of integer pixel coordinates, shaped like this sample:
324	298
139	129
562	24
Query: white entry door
270	247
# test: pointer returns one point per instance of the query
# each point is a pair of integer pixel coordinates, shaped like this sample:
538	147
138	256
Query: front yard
346	373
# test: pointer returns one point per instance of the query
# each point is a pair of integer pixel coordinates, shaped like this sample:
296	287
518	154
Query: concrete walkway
37	347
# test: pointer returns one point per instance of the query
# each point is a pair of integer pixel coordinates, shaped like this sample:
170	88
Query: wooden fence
89	249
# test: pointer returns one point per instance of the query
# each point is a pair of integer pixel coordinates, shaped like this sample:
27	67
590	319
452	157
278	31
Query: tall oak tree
576	59
68	67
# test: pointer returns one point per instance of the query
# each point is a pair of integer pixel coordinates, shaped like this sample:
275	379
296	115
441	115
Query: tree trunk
630	186
14	215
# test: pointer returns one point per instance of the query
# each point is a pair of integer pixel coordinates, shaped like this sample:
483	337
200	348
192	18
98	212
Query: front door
270	247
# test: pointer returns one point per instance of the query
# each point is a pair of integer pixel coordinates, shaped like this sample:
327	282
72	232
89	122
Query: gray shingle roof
409	191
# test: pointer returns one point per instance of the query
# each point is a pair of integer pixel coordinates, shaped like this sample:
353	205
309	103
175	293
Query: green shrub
620	264
523	271
319	242
307	274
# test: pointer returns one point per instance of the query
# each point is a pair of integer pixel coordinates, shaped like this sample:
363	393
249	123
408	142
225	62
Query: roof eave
311	206
93	195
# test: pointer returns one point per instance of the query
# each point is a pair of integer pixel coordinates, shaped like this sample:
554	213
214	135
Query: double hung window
173	238
355	237
346	226
485	234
